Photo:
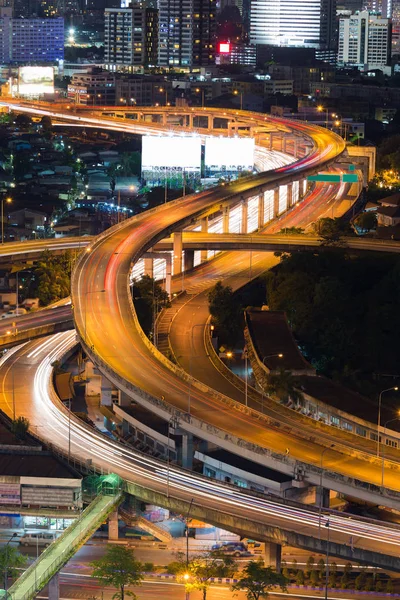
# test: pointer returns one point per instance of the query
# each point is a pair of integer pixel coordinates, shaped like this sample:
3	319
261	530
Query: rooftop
34	464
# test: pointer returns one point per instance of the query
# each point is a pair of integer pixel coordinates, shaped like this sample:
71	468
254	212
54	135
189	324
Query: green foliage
286	573
344	581
10	562
333	567
332	580
348	568
369	584
389	586
257	580
331	231
148	567
343	312
314	578
283	385
300	577
20	427
225	311
118	568
359	582
23	121
378	585
292	231
47	125
149	298
366	221
196	575
321	565
128	165
53	276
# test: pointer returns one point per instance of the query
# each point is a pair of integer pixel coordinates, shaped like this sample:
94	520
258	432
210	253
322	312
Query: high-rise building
364	41
30	41
187	31
130	37
307	23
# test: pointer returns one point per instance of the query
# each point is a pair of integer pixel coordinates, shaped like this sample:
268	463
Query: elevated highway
152	480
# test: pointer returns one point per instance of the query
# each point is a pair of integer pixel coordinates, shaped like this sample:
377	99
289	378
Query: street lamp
320	486
198	90
379	415
327	524
236	92
383	449
322	109
8	200
162	90
280	355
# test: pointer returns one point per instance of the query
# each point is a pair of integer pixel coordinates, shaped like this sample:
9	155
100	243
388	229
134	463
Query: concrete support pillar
123	399
295	147
204	229
177	236
54	587
187	450
168	273
289	196
149	267
276	202
188	260
225	219
245	216
301	187
113	526
106	392
261	210
272	555
322	497
164	118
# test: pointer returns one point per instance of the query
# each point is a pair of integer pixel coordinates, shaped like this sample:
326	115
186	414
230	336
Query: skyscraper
309	23
364	41
186	33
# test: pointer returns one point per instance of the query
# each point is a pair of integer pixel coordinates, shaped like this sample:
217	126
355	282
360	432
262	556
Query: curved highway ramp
59	552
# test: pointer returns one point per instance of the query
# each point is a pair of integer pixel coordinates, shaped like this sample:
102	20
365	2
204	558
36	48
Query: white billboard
171	153
229	154
35	81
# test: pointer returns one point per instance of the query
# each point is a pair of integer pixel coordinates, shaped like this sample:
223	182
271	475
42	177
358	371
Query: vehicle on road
14	313
40	538
236	549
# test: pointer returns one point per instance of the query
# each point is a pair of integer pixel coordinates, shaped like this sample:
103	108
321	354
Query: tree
197	574
344	581
283	385
258	581
314	578
366	221
23	121
225	312
149	298
389	586
310	559
47	125
20	427
369	584
359	582
11	562
53	277
378	585
332	580
118	568
330	231
300	577
321	565
292	230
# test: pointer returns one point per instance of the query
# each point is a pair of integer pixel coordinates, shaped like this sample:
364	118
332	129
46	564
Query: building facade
307	23
364	41
130	37
30	41
187	30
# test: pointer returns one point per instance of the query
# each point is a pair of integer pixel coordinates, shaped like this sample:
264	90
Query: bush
285	572
389	587
314	578
300	577
360	581
333	567
321	565
344	581
369	584
378	585
332	580
148	567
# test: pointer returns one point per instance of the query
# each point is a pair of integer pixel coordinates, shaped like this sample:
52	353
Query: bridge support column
261	210
225	219
188	260
322	497
113	526
149	267
177	252
54	587
289	196
276	202
185	448
272	555
106	392
301	189
204	229
245	216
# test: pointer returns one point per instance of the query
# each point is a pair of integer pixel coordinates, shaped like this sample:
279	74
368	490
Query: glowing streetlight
8	200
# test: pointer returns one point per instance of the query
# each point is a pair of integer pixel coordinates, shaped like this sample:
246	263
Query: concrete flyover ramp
59	552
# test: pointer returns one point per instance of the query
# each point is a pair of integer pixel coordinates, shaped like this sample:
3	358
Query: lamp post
198	90
280	355
320	486
6	565
187	575
383	449
236	92
322	109
161	89
8	200
379	415
171	420
327	524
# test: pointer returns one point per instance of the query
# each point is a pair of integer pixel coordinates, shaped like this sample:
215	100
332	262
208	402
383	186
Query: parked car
236	549
17	312
40	538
